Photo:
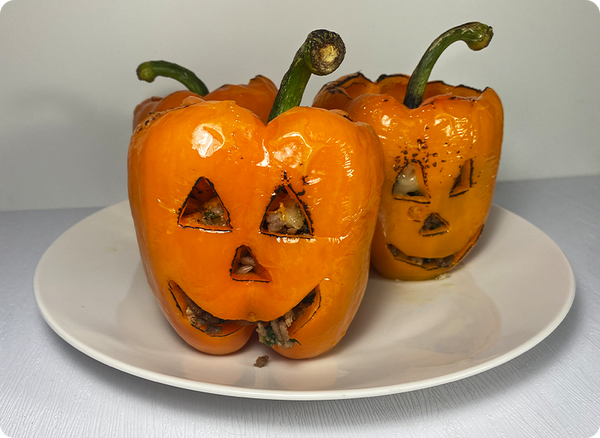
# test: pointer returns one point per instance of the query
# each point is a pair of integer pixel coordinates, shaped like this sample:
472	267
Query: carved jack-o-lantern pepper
245	226
442	150
258	96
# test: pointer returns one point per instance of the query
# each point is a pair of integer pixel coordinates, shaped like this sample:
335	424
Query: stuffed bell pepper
245	226
442	150
257	96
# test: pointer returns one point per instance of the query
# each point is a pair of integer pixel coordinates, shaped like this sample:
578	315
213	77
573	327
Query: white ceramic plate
508	295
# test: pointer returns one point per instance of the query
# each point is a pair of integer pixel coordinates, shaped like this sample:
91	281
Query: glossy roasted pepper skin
453	143
257	96
332	166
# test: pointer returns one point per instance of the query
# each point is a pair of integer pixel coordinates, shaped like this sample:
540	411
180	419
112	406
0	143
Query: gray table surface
49	389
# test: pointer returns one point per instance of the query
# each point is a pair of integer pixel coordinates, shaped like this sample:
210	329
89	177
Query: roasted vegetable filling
208	213
203	209
286	216
435	263
245	267
426	263
433	222
202	319
406	183
261	361
276	332
287	219
433	225
212	212
270	333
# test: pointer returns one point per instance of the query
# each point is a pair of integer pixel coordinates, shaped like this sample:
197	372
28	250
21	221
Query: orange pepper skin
453	141
257	96
333	166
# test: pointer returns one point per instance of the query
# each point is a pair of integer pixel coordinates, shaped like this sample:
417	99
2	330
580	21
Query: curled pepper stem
476	35
321	54
148	71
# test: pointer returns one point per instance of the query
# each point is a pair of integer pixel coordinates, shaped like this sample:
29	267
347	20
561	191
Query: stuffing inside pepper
287	219
406	183
427	263
270	333
285	216
203	208
276	332
245	266
261	361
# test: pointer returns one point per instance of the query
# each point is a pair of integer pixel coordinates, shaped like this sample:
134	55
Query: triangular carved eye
433	225
245	267
464	180
204	209
408	186
286	215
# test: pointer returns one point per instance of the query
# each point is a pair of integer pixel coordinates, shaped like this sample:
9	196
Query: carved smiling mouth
431	263
271	333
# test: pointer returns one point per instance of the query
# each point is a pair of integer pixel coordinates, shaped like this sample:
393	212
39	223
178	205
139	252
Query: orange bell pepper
442	149
258	96
245	225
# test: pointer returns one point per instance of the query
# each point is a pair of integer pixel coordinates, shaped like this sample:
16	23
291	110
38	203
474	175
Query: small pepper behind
442	148
257	96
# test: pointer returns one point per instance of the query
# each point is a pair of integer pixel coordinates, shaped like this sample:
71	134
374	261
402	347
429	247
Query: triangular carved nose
245	267
433	224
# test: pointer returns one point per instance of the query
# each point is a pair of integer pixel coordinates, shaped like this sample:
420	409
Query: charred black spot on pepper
336	86
384	76
354	76
471	174
175	299
335	91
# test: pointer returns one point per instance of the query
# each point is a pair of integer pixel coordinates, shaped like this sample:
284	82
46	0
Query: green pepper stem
321	54
476	35
148	71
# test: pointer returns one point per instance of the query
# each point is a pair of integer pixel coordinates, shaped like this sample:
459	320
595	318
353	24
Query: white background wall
68	84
